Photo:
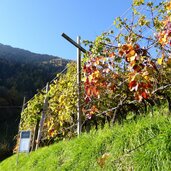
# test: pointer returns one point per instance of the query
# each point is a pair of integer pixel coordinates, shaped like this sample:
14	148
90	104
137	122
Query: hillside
22	73
25	71
136	145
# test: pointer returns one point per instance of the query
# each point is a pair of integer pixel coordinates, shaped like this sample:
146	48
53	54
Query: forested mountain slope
21	74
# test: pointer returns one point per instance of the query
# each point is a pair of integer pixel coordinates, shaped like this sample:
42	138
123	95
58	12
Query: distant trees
22	73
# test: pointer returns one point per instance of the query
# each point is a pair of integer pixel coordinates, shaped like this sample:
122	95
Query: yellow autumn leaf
132	58
146	75
147	78
159	61
96	74
168	6
61	123
90	77
164	39
132	53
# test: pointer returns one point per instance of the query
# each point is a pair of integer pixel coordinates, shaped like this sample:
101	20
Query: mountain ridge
7	51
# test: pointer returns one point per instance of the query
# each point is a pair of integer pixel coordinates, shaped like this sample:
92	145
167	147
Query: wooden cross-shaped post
79	50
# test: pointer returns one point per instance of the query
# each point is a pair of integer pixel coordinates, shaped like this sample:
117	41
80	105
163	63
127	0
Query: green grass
143	145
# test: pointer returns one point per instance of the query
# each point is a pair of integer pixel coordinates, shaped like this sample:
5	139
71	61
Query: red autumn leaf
136	47
88	70
87	99
144	95
87	81
149	85
145	85
132	84
84	68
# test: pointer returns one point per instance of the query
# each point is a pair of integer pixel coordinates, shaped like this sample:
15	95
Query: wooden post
33	146
24	100
45	105
79	88
79	50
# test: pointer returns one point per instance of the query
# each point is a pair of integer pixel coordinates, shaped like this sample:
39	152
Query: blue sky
36	25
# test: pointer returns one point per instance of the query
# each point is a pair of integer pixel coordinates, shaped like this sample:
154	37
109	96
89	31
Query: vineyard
126	71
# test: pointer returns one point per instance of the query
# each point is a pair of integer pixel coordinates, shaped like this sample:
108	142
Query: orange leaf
88	91
138	97
131	53
94	109
112	54
127	47
121	53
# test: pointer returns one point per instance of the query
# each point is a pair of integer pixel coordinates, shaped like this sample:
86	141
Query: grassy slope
144	144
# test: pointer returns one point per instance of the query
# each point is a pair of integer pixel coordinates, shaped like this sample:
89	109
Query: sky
37	25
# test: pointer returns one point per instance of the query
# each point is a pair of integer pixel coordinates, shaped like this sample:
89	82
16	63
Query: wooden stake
79	88
35	133
45	105
24	101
